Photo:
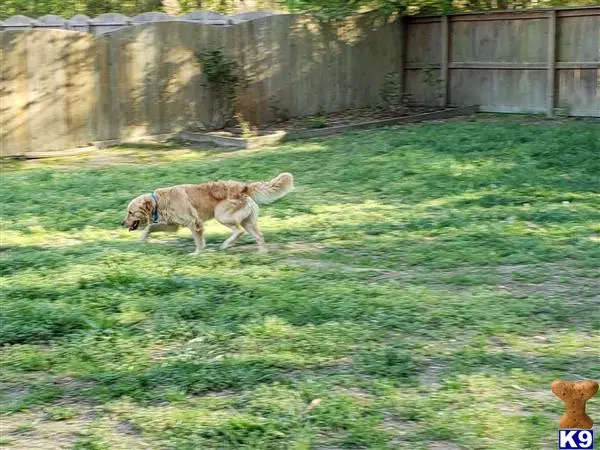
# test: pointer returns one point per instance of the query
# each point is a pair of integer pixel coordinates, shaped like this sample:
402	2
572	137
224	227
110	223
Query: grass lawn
426	284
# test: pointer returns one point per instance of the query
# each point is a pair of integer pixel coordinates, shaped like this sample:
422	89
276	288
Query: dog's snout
122	223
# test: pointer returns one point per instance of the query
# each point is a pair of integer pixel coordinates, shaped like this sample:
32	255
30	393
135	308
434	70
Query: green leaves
225	79
69	8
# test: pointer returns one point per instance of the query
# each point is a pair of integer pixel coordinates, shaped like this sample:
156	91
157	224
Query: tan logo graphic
574	394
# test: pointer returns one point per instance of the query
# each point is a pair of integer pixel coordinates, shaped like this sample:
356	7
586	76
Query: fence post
551	68
403	39
445	38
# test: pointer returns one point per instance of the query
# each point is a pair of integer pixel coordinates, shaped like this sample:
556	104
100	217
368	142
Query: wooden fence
525	62
61	89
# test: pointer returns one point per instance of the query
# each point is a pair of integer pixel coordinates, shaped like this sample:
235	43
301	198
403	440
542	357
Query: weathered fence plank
445	42
579	45
551	61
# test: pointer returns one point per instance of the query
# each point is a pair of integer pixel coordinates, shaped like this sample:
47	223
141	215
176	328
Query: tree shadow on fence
145	80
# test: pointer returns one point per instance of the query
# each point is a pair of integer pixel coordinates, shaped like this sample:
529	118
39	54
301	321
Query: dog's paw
263	250
196	253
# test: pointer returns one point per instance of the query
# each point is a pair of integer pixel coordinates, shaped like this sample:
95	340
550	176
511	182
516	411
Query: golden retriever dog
231	203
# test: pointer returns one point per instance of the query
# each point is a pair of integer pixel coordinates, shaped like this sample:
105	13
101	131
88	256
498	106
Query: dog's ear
147	207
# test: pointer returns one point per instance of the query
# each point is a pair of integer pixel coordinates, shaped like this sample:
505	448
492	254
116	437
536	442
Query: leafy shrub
392	96
225	79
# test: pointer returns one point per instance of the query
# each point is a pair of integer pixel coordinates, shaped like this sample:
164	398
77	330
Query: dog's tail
270	191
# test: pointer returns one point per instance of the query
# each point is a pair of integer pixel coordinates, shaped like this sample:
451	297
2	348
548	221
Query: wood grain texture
48	90
500	90
579	88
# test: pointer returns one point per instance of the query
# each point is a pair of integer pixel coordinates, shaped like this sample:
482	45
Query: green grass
427	283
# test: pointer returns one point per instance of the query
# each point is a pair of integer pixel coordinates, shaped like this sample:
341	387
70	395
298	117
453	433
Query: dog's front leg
146	232
154	227
197	229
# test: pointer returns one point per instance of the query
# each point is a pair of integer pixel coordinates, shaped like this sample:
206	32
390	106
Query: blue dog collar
155	212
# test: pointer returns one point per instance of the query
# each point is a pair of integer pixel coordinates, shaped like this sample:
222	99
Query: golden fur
231	203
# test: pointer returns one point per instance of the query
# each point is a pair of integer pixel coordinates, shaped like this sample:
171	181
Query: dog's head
139	211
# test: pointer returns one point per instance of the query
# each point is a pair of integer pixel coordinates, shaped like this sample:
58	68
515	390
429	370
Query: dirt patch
316	264
34	430
127	428
442	445
30	431
13	394
106	157
360	395
561	280
430	376
348	117
292	247
555	279
399	430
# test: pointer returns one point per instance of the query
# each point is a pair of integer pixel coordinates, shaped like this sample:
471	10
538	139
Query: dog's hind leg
237	231
251	227
231	213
